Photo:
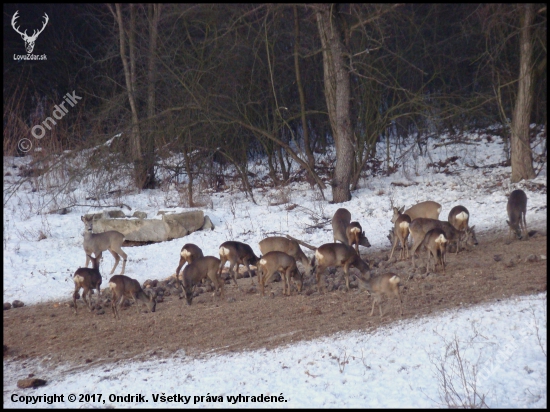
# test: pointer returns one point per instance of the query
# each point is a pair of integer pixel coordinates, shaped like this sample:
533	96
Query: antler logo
29	40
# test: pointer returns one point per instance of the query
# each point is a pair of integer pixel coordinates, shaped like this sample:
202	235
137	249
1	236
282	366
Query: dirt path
496	269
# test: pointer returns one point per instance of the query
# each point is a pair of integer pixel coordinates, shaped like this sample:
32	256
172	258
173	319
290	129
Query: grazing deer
123	287
517	208
401	234
436	243
96	243
385	284
193	274
283	263
237	253
427	209
87	279
189	253
347	232
336	255
289	246
459	217
420	226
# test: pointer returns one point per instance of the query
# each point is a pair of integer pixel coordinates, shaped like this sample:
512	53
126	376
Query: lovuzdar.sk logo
29	40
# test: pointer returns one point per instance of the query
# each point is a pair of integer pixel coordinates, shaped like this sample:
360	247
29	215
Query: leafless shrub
280	197
457	379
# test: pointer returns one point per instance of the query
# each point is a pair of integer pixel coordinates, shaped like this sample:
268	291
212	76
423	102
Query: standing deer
459	217
385	284
124	287
283	263
336	255
347	232
401	233
420	226
193	274
87	279
289	246
189	253
96	243
428	209
237	253
436	243
517	208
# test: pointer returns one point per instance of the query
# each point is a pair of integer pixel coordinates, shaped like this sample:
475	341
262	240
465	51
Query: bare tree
521	155
337	94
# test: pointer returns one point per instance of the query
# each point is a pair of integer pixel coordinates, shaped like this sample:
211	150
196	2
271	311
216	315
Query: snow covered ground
395	366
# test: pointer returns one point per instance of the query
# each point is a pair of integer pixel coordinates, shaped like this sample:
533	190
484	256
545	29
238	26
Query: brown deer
124	287
336	255
189	253
401	234
420	226
289	246
459	217
428	209
385	284
193	274
436	243
347	232
97	243
283	263
517	208
87	279
237	253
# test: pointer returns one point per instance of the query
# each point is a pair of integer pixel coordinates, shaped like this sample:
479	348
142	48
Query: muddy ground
496	269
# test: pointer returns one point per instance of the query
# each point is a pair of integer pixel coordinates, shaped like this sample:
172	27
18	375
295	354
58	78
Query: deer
436	243
289	246
336	255
189	253
237	253
401	234
124	287
97	243
385	284
420	226
205	267
428	209
347	232
517	208
283	263
459	217
29	40
87	279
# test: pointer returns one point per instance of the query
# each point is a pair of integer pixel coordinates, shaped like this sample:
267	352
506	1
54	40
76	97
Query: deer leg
124	258
76	289
182	262
346	272
249	272
117	259
413	252
373	302
318	273
232	272
87	260
394	245
406	246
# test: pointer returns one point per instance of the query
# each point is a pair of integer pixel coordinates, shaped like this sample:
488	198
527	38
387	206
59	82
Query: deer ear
402	209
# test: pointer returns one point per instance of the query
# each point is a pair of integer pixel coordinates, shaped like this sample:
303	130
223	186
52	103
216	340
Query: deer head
29	40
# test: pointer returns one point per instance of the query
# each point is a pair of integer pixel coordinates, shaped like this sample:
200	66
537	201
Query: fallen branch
301	242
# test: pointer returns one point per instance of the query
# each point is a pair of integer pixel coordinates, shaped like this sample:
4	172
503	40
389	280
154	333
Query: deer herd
281	254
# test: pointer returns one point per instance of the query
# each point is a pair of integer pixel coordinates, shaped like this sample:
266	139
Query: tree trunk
521	156
148	143
305	129
337	94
